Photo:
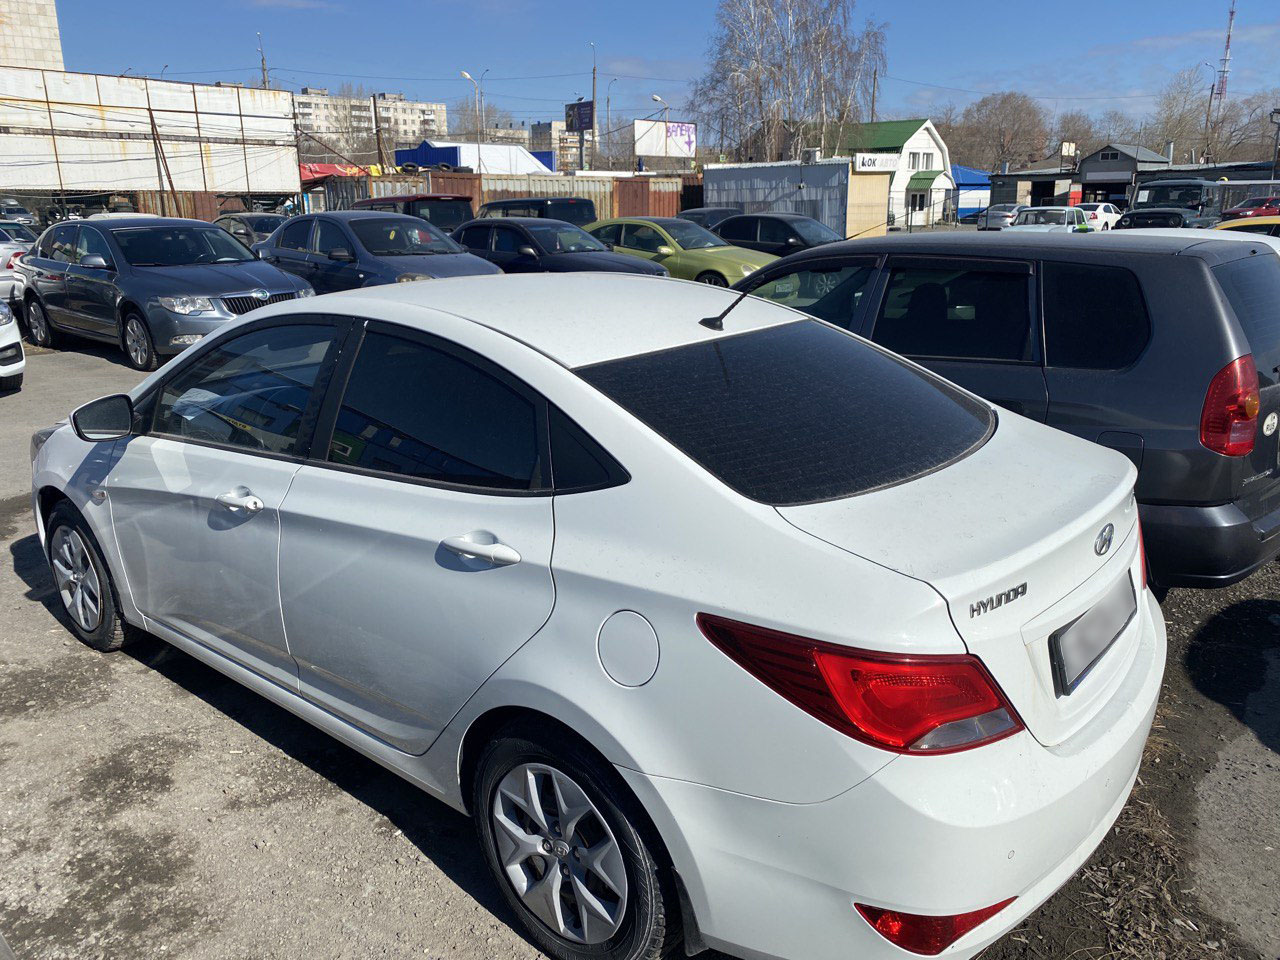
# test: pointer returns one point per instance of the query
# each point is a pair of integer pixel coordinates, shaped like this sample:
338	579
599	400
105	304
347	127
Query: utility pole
377	131
595	132
266	80
479	156
875	78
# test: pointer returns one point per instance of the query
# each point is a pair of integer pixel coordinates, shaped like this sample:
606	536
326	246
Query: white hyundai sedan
725	625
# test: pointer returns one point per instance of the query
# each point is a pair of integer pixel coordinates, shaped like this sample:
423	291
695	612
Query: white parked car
998	216
15	240
724	624
1101	216
12	360
1051	220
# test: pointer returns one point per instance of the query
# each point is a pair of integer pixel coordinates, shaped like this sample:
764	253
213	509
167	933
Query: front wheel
569	848
714	279
139	348
83	582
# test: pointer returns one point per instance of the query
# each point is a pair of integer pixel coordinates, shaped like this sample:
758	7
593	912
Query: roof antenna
717	322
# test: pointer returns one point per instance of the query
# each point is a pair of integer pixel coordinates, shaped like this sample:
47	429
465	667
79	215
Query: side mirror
342	254
107	418
527	251
664	251
93	262
794	242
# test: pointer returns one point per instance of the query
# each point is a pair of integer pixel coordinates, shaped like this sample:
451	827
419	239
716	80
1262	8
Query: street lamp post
1275	149
479	158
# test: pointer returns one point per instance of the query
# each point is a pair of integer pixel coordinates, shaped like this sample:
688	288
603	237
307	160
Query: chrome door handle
499	554
240	499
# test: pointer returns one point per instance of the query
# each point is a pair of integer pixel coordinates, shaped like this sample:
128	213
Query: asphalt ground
149	807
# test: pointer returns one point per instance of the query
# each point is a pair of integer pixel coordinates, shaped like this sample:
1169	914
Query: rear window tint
1252	287
1094	317
797	413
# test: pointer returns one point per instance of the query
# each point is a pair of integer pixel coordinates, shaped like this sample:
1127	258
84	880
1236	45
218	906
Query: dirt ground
151	808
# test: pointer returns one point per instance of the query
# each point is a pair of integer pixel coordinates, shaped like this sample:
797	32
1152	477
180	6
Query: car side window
641	236
91	243
739	228
45	249
506	240
250	392
1095	317
330	237
610	233
63	247
417	411
774	231
963	313
475	238
296	235
831	293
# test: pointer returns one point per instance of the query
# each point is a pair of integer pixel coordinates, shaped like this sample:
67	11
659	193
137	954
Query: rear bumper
1207	546
926	835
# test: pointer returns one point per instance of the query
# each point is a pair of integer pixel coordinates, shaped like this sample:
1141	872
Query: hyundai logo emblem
259	294
1103	542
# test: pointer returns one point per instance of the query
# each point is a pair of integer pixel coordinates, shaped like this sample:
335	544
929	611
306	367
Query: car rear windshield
448	215
797	413
1252	287
578	212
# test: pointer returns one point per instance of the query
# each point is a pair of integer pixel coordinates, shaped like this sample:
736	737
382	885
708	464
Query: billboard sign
875	162
580	116
659	138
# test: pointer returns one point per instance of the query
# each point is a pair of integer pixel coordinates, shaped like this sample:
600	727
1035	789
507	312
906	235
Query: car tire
82	581
713	279
639	921
1106	226
11	383
40	331
136	342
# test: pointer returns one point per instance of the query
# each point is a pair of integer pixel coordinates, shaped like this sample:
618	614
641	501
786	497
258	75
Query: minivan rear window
797	413
1252	287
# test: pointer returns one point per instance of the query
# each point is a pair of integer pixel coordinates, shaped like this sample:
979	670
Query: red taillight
1093	215
925	935
1229	421
13	259
907	704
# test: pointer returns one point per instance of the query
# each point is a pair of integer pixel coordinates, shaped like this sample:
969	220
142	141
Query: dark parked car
708	217
152	285
1163	348
777	233
346	249
249	228
539	245
1157	217
1174	203
448	211
575	210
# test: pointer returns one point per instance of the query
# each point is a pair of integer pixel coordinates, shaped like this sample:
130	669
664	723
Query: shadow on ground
1228	660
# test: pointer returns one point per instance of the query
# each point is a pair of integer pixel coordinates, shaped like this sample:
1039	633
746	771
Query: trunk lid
1007	536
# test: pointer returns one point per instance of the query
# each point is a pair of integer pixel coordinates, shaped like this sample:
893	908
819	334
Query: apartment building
403	122
552	135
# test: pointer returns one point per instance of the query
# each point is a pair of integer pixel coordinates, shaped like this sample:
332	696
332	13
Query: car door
971	321
741	232
331	271
778	237
505	250
645	241
195	500
415	548
292	251
91	291
49	271
476	239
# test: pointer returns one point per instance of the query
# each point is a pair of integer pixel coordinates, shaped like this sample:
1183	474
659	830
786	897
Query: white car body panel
762	807
10	337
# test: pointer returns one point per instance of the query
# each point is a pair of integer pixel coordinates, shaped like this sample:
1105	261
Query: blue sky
1089	54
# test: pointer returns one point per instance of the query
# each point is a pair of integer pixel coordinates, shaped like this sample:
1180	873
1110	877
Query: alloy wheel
559	854
77	580
37	324
136	343
714	279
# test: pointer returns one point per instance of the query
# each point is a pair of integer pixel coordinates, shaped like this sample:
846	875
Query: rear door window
1252	287
797	413
1095	317
476	238
578	212
296	235
775	231
739	228
963	312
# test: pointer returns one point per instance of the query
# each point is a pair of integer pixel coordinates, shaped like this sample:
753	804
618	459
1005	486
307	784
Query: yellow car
1268	226
688	251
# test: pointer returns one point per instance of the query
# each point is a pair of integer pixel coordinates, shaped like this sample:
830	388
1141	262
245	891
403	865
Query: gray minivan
1163	348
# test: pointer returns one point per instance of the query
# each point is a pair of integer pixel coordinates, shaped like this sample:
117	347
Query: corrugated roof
969	176
883	134
923	180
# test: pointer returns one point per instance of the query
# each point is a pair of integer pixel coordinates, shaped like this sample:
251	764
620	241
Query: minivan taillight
922	704
1229	421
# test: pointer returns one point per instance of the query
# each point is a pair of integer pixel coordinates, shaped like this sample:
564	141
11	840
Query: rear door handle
497	553
241	498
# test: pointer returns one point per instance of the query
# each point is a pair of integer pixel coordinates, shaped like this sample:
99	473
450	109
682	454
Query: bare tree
462	118
786	74
1076	126
1001	127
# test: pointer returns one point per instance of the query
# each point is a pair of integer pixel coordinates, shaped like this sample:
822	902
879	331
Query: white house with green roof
921	166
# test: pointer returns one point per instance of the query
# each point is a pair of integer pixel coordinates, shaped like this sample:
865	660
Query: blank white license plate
1077	647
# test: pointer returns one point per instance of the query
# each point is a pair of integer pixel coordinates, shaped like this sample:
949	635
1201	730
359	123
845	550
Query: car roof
709	209
494	203
1230	225
519	221
360	214
778	214
575	319
410	196
1180	242
116	221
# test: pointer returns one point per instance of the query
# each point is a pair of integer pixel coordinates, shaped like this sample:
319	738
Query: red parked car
1254	207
